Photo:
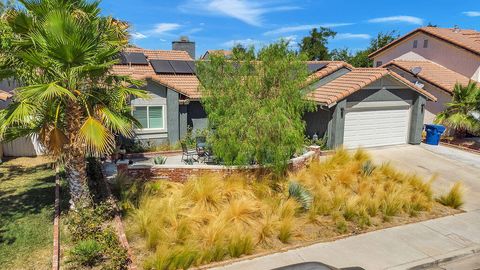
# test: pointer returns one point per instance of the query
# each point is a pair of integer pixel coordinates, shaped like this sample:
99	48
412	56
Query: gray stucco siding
197	117
158	94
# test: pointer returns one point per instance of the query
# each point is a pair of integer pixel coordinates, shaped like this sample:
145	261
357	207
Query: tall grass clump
216	217
454	198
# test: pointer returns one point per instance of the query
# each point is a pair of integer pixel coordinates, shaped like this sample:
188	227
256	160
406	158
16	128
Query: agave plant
61	53
460	112
159	160
300	194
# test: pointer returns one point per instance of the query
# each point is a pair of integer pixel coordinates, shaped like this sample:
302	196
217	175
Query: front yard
27	194
215	218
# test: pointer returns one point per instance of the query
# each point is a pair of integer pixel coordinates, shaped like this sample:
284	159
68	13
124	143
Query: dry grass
214	217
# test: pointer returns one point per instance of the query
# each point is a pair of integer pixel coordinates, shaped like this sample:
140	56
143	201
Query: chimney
184	45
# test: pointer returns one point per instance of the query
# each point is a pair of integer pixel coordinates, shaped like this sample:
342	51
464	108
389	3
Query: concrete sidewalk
400	247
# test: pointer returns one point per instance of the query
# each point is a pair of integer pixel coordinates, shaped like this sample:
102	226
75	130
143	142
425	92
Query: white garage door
368	127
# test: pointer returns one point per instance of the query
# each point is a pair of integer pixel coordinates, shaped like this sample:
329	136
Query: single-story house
365	107
356	106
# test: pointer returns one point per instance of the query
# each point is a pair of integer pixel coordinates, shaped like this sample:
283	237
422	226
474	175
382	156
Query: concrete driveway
449	165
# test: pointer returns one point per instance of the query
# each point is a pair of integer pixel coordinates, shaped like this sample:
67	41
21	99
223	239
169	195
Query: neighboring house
26	146
365	106
225	53
171	81
436	58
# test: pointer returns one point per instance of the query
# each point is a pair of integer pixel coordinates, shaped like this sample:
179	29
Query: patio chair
188	155
201	148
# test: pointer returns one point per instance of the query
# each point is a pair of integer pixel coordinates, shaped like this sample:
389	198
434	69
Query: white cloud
352	36
163	28
404	19
291	38
138	35
472	13
247	11
305	27
244	42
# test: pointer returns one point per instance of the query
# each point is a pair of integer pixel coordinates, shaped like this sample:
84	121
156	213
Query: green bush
86	253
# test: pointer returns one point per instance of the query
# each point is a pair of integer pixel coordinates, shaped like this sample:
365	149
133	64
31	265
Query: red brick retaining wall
181	173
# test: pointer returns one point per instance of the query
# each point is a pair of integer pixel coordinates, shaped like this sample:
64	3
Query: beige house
434	58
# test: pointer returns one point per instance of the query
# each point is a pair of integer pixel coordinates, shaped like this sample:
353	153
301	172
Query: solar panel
133	58
162	66
192	66
314	67
181	67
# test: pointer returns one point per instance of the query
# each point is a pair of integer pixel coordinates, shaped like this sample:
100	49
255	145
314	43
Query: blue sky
219	24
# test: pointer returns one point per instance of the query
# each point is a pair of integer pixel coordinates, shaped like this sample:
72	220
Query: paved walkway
406	246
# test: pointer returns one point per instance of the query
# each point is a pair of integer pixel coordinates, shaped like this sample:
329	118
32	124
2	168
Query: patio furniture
188	156
201	148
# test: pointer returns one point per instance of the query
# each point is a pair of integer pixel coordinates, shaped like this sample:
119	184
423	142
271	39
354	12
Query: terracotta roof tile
464	38
4	95
432	73
218	52
355	80
331	67
186	84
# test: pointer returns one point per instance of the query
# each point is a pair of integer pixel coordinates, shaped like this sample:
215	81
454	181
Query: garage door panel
376	127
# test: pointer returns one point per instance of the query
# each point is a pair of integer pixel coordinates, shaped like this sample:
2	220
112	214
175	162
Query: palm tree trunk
75	163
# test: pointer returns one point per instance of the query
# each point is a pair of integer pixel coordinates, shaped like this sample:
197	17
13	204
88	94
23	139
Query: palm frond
96	137
43	92
115	122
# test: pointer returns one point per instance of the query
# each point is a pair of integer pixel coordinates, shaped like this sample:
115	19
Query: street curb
437	260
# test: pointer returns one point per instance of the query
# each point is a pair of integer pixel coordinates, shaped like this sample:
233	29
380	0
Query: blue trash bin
434	132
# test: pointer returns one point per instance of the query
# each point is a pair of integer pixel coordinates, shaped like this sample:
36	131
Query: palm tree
62	53
461	113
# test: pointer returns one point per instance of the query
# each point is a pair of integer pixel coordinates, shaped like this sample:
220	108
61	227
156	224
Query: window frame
425	43
378	64
164	119
415	44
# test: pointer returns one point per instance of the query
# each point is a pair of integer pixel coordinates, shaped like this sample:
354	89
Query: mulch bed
467	144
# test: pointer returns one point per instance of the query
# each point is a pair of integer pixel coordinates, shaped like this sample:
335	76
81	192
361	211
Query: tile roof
464	38
331	67
4	95
186	84
432	73
355	80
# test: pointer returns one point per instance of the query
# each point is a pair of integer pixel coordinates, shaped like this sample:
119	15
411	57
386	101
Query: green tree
342	55
314	46
255	106
460	113
361	59
62	53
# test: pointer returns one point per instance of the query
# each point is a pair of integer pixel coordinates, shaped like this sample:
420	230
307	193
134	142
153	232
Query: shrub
454	198
86	253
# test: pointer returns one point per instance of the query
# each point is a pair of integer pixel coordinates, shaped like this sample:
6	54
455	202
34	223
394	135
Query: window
415	43
425	43
379	63
150	117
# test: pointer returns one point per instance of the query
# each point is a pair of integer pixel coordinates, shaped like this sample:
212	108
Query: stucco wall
432	108
438	51
158	95
197	117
